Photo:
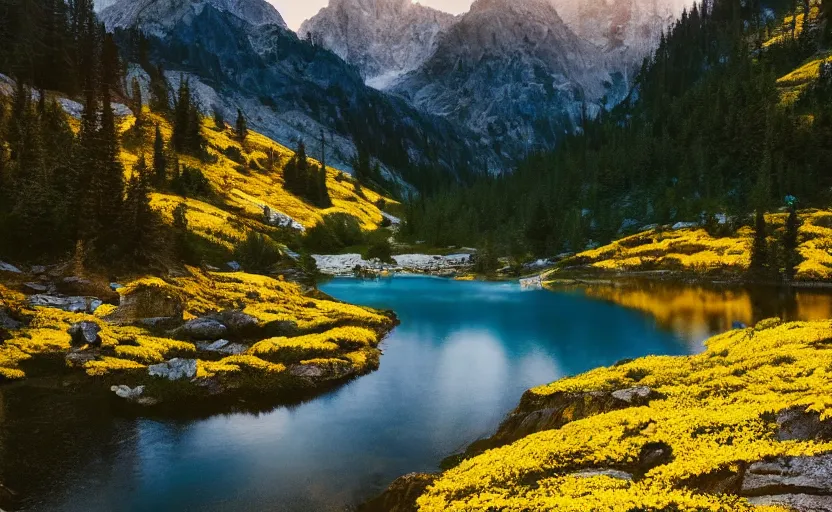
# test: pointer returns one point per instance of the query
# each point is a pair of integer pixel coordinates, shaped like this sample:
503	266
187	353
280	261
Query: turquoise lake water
462	357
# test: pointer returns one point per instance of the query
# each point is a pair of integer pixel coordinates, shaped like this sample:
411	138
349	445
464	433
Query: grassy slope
325	333
237	205
716	413
694	250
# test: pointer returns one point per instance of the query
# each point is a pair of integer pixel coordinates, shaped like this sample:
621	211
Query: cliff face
513	72
382	38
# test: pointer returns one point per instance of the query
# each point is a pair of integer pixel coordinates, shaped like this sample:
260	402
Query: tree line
704	133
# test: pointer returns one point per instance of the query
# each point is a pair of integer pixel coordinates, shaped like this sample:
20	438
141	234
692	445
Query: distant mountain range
411	85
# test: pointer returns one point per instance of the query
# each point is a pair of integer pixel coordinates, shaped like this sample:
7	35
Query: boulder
7	322
790	475
611	473
77	358
157	303
799	502
85	333
797	424
128	393
234	266
7	267
175	369
223	347
36	287
202	329
70	304
38	269
633	395
239	322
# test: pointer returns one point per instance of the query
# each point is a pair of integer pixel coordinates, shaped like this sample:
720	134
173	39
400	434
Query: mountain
238	54
158	17
626	31
513	72
383	38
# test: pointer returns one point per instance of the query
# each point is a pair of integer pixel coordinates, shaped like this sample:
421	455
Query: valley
538	255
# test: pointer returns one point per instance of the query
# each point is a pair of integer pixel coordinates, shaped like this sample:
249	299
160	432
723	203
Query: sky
296	12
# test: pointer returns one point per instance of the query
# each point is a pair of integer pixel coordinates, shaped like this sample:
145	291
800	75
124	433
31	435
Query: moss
714	415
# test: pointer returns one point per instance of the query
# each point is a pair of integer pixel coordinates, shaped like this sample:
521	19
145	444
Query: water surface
461	359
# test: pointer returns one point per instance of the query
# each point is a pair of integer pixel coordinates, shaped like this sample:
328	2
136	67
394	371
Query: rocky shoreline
351	264
800	480
217	341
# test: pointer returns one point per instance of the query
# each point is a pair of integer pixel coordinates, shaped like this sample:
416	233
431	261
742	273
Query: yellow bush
107	365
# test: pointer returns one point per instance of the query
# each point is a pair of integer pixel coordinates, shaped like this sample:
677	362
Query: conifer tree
219	122
137	218
790	245
138	104
160	165
759	266
241	126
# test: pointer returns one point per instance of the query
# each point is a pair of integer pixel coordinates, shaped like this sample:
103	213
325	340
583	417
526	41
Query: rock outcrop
402	494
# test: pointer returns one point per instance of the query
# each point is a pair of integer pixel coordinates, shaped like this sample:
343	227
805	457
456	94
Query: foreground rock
85	333
790	475
202	329
175	369
70	304
222	347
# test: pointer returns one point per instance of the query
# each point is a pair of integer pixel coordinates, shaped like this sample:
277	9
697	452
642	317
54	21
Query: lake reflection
697	312
462	357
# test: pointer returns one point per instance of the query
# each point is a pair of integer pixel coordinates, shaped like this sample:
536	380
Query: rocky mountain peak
159	16
382	38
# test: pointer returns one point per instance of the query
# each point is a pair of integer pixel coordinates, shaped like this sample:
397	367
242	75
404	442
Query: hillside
241	191
743	426
694	250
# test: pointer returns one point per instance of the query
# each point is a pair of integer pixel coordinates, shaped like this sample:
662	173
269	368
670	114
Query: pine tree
138	105
241	126
759	267
160	165
137	217
219	122
790	245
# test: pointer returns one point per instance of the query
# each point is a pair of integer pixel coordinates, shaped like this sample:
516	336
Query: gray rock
85	333
8	267
7	322
632	394
234	266
78	358
612	473
38	269
237	321
70	304
223	347
799	502
127	392
36	287
203	329
796	424
790	475
175	369
684	225
116	286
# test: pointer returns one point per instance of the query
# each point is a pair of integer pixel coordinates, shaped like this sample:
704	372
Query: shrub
337	231
380	249
258	253
234	154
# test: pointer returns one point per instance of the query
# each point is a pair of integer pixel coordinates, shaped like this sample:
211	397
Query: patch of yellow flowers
717	413
267	299
696	251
